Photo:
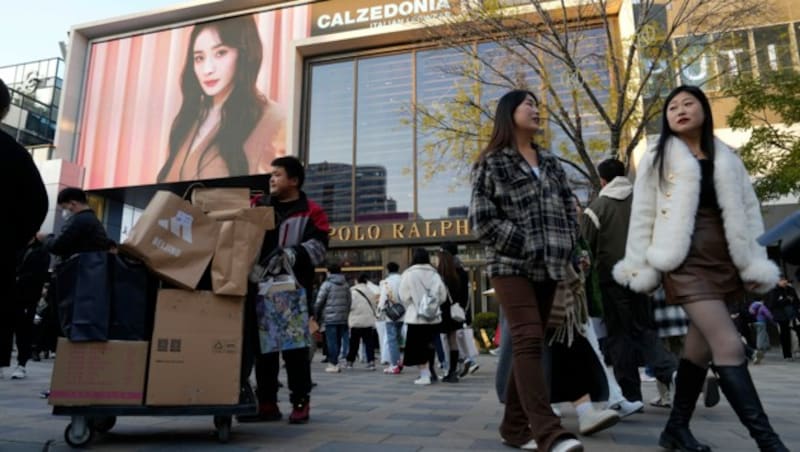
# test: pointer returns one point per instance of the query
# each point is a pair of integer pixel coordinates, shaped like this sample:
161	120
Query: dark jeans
632	339
526	307
786	338
19	325
367	335
333	337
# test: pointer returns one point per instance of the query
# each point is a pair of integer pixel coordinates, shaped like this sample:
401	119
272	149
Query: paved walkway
366	411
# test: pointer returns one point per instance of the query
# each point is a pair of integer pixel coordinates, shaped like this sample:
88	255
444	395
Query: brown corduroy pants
526	306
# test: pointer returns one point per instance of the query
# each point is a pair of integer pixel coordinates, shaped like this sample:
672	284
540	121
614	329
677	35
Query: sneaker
592	421
19	373
465	369
422	381
530	445
758	356
333	369
473	367
664	399
300	413
567	445
625	408
267	412
371	366
392	370
711	392
348	366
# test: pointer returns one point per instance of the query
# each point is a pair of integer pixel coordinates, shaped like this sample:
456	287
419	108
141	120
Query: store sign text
400	231
373	16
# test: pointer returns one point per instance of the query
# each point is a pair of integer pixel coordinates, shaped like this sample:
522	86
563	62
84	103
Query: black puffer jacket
333	301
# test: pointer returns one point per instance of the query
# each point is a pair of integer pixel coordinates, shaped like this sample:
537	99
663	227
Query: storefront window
384	182
330	139
734	57
773	51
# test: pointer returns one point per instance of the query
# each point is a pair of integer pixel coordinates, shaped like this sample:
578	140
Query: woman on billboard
225	125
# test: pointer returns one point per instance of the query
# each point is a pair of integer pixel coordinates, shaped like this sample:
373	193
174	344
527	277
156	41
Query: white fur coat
662	218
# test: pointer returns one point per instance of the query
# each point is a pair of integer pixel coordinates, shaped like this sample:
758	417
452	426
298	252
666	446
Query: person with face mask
82	231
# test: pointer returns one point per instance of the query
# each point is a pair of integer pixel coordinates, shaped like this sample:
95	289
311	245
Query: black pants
362	334
19	325
786	338
632	339
298	364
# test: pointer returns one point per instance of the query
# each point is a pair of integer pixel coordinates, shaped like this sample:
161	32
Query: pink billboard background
133	94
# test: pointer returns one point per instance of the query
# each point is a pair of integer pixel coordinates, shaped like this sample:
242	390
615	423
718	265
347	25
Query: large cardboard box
98	373
196	350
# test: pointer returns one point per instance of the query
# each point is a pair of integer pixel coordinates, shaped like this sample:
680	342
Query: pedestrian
762	316
32	273
390	295
522	211
782	301
694	223
333	309
456	280
628	316
361	320
421	284
300	238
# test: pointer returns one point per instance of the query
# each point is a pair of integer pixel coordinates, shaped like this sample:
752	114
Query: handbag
457	313
393	310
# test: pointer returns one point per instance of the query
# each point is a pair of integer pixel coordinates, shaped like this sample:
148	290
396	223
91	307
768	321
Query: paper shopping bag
215	199
174	238
238	246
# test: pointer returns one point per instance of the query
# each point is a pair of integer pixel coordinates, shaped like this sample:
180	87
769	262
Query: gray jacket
333	301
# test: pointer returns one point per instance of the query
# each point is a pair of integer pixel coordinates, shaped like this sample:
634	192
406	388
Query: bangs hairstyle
706	129
503	130
243	107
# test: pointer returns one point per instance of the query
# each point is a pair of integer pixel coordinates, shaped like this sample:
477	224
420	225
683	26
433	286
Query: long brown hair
447	270
503	130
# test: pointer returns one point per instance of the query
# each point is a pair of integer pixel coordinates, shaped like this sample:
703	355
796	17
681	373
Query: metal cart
91	419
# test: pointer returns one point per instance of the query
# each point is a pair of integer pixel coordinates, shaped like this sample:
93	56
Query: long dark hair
503	130
447	270
706	129
241	110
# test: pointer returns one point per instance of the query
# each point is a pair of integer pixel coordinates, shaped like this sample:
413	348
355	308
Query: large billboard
196	102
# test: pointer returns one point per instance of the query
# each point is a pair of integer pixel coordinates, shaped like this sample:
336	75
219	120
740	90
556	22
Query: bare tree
599	66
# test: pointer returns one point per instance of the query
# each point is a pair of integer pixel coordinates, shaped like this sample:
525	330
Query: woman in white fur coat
693	227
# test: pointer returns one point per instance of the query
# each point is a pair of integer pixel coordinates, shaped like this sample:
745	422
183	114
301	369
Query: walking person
782	302
389	296
762	316
628	316
361	320
457	281
420	284
522	211
694	223
333	309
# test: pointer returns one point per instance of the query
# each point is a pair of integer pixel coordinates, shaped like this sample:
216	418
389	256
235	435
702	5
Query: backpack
428	307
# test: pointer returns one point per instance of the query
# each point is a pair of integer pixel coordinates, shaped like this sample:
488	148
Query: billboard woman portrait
225	126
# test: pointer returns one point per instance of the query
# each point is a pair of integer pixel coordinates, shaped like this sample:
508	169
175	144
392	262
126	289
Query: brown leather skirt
708	272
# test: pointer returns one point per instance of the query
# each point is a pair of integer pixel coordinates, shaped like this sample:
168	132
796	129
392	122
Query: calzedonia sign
342	15
403	232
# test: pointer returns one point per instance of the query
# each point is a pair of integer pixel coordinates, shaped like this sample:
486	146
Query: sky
31	29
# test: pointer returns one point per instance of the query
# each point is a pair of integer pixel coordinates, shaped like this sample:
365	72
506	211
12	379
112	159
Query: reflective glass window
773	49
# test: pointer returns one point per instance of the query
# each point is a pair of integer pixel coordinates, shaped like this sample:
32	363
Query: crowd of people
684	229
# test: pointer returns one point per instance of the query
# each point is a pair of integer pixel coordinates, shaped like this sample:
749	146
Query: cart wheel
223	425
103	424
76	438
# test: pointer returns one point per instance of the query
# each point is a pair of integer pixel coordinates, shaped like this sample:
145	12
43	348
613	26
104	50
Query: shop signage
410	231
342	15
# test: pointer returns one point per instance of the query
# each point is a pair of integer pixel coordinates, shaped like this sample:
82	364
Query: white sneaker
555	409
625	408
19	373
422	381
530	445
567	445
333	369
592	421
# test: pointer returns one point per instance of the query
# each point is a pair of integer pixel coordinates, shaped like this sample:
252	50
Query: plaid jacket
527	224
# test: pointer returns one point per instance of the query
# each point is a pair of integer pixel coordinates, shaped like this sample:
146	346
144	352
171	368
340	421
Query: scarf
569	312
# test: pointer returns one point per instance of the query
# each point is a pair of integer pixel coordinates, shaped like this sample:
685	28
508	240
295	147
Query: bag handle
191	188
368	302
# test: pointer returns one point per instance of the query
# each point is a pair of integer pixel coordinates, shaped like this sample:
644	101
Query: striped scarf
569	312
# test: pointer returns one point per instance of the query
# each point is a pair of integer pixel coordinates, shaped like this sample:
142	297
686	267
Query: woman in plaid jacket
523	213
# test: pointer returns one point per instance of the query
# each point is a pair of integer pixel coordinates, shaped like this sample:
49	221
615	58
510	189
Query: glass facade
35	92
371	158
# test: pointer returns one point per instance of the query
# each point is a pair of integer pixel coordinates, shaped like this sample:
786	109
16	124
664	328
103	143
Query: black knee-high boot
738	387
452	372
688	384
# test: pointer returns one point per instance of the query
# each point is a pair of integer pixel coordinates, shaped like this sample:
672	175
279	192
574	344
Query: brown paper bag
174	238
238	247
216	199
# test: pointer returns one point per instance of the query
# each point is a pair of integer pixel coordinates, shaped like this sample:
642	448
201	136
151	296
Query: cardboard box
98	373
196	350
